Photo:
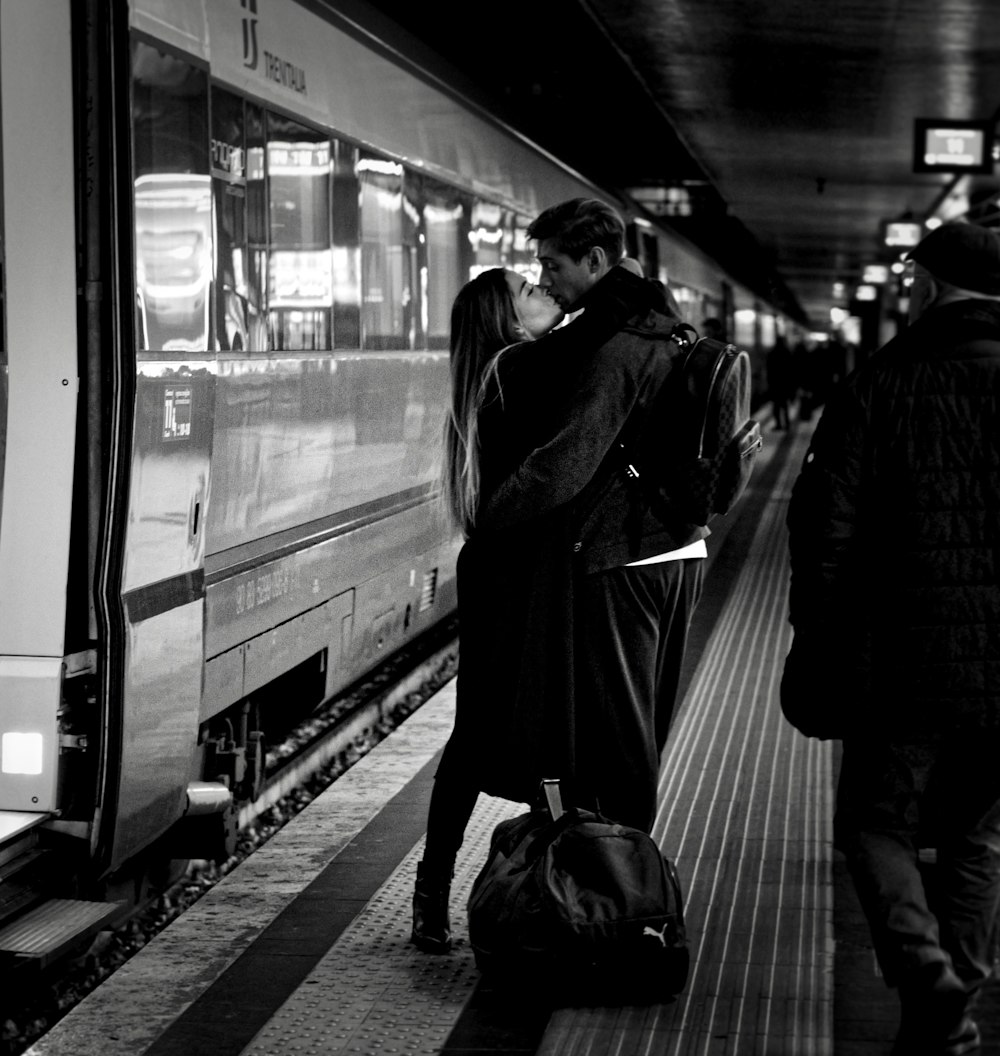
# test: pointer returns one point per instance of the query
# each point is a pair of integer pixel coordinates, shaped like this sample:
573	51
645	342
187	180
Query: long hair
483	324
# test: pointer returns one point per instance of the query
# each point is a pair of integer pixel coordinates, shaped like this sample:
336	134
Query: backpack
712	442
573	898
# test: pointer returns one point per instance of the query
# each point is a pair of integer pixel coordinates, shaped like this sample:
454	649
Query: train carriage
232	231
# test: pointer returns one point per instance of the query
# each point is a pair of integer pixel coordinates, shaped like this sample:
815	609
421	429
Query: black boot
933	1003
431	926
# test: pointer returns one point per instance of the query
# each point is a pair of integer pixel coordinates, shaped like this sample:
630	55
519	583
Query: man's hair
578	224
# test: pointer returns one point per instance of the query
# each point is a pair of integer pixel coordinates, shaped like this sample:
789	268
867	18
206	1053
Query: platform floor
304	948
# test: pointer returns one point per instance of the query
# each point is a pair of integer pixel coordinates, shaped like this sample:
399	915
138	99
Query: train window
490	237
522	251
446	249
346	247
256	199
690	301
173	202
414	316
745	326
229	187
385	264
300	273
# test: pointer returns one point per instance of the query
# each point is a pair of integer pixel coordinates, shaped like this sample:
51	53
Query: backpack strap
685	336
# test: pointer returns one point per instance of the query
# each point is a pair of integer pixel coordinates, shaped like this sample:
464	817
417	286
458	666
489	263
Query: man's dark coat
895	538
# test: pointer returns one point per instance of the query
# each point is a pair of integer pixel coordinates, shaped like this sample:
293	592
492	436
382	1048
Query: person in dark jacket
780	386
513	725
894	534
636	577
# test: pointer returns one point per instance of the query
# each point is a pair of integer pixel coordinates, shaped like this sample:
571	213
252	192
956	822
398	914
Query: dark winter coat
894	529
517	571
598	392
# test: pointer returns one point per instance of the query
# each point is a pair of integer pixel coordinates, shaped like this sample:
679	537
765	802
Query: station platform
304	948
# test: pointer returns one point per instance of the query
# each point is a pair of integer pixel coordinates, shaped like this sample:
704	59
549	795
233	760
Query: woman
515	587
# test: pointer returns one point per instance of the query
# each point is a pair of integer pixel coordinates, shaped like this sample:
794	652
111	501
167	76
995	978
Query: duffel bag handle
553	797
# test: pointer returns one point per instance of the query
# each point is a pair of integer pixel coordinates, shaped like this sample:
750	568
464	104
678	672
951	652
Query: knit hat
962	254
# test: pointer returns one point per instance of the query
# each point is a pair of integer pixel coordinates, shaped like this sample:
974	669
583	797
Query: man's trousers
632	626
895	797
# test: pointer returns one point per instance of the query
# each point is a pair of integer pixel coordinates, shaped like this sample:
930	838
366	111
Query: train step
44	933
18	833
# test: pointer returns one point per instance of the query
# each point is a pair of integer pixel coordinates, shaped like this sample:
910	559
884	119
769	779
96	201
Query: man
635	578
779	381
894	529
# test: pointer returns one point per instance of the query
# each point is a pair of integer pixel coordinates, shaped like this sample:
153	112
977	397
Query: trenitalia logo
250	55
273	67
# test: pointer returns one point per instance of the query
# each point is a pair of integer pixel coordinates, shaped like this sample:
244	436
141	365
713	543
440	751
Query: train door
172	365
39	392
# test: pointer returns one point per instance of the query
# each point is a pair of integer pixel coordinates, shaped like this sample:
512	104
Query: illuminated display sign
227	161
901	234
940	145
876	274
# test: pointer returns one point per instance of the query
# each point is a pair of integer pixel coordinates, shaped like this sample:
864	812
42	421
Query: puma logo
661	934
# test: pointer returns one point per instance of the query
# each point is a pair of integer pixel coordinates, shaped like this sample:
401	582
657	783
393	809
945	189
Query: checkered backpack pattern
696	453
719	440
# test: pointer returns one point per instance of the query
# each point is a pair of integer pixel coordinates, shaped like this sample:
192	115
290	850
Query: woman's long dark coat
515	603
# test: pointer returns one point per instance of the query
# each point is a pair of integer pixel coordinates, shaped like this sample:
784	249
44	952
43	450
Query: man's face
566	279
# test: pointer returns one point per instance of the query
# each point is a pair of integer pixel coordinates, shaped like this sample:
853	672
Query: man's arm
823	515
553	474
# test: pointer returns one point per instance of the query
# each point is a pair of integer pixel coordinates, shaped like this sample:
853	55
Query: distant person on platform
894	531
714	327
780	381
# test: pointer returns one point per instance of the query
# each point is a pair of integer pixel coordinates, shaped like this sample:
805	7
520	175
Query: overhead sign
942	145
901	234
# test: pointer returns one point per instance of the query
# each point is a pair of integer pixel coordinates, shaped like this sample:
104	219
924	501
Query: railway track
308	760
354	722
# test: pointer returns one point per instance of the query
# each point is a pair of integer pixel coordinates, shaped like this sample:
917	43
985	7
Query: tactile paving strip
745	809
375	993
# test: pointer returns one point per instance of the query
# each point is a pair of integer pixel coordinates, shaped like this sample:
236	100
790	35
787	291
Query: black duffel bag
573	897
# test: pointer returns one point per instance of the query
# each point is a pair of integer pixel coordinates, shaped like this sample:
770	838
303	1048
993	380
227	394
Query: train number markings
263	589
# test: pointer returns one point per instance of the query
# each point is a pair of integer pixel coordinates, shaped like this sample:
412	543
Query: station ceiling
802	113
788	122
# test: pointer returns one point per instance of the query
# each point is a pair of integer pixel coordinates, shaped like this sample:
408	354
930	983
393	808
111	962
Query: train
232	232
